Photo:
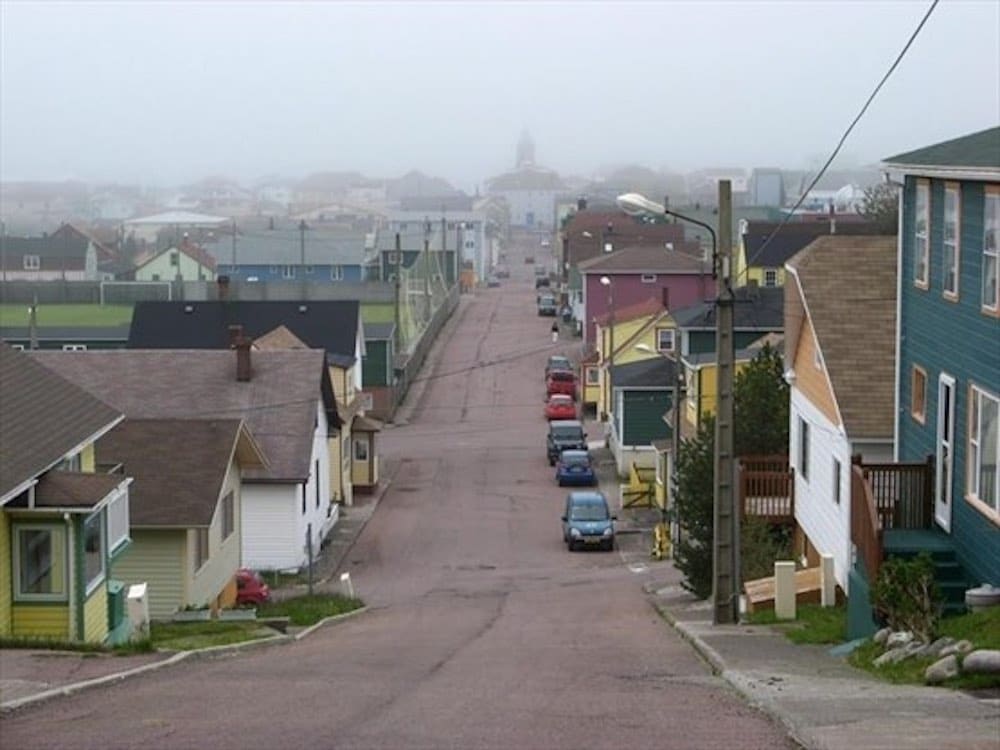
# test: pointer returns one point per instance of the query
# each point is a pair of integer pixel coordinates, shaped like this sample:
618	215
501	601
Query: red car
560	406
561	381
250	588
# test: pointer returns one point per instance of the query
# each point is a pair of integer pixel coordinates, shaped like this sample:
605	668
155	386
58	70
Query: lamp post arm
711	233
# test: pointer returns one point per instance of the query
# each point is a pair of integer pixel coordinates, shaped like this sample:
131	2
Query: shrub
693	498
761	545
906	596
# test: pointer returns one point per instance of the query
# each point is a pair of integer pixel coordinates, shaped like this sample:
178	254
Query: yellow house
639	332
186	261
64	519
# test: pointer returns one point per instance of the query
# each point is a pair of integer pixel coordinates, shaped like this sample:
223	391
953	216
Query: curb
328	621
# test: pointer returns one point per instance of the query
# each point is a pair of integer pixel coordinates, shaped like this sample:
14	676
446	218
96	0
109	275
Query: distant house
948	341
285	398
757	312
465	230
64	519
530	190
184	262
66	338
146	228
332	326
840	316
643	391
186	507
591	232
676	278
378	377
284	253
65	256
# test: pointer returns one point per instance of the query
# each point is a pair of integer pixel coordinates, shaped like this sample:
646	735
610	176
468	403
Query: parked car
529	259
587	521
250	588
561	381
540	271
564	434
542	281
558	362
492	280
560	406
502	271
574	467
547	305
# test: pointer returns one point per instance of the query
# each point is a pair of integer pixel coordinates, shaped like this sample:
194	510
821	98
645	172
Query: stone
982	661
939	645
941	670
881	636
962	647
891	657
915	648
898	639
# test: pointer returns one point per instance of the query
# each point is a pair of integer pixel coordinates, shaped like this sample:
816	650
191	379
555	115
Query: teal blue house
948	344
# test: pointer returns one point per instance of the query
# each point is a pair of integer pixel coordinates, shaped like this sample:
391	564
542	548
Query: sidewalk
825	703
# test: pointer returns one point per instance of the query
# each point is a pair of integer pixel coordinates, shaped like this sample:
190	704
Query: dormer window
32	262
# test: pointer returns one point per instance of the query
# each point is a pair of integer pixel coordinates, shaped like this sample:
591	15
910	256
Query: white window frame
97	517
74	347
119	521
836	480
32	263
648	278
202	548
770	277
60	531
974	489
922	237
592	375
361	449
288	272
991	255
951	244
228	509
803	449
659	341
336	273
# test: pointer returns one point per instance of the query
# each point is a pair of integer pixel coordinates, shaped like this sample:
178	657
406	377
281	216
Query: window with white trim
921	234
228	516
649	278
804	448
836	481
991	252
74	347
118	521
32	262
665	339
950	246
918	394
288	272
771	277
94	550
200	548
361	449
984	448
593	375
40	562
336	273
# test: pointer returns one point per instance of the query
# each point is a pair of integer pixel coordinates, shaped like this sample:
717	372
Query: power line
840	143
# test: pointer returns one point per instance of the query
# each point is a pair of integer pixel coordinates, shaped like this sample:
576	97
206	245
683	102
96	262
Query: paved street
483	631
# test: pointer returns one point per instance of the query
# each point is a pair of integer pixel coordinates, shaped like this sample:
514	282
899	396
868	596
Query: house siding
41	621
156	557
208	584
826	524
270	531
644	412
812	381
188	268
955	338
95	615
376	368
629	289
318	274
5	575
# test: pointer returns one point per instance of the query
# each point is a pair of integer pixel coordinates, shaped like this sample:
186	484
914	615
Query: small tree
693	503
761	397
881	206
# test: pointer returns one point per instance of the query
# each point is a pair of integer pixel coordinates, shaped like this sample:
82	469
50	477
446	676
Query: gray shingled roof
755	308
980	149
177	466
279	247
278	403
849	286
645	259
646	373
42	418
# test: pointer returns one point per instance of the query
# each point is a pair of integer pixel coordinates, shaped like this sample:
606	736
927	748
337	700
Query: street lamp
606	282
635	204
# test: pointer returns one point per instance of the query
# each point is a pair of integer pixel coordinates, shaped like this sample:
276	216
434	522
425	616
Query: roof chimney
833	219
243	371
235	334
581	204
223	282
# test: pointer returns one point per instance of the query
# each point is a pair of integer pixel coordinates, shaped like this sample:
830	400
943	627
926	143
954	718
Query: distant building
767	187
531	191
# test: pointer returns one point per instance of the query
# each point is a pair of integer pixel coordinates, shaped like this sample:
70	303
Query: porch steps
951	578
760	593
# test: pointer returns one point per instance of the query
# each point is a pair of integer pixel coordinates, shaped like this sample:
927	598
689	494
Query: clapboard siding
269	526
95	615
157	558
41	621
5	574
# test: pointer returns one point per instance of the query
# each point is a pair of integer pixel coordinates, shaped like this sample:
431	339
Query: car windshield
557	363
575	459
561	375
567	433
589	512
547	301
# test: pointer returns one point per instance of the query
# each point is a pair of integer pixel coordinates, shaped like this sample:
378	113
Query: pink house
636	274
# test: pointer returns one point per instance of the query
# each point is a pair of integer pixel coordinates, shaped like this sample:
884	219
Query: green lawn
67	315
377	312
184	636
308	610
813	624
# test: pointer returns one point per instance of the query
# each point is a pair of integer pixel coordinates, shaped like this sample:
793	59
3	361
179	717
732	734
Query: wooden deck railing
866	531
903	493
767	488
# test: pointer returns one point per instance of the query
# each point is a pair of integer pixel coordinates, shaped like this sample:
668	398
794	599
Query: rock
939	645
915	648
891	657
898	639
881	636
982	661
962	647
941	670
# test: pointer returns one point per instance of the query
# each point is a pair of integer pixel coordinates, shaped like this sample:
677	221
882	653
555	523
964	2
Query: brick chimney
223	283
243	369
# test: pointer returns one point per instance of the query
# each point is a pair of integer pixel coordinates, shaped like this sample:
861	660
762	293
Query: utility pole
302	256
427	271
725	579
444	240
398	334
459	248
232	269
33	323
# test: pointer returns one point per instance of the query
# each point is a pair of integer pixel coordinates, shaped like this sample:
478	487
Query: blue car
574	468
587	521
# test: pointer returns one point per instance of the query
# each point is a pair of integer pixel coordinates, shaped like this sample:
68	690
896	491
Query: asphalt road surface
483	632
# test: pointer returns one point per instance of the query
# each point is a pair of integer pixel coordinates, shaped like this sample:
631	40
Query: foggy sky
168	92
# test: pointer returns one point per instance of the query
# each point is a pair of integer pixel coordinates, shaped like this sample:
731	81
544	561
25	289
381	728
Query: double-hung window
665	339
40	562
921	235
32	262
950	246
200	548
336	273
983	482
770	277
288	272
991	251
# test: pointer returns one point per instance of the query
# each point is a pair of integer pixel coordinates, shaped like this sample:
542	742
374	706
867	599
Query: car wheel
552	462
571	545
610	546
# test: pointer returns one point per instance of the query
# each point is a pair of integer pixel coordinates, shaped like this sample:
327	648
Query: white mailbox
137	606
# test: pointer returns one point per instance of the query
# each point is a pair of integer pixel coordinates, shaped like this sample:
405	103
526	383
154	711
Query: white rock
962	647
941	670
982	661
881	636
899	639
939	645
891	657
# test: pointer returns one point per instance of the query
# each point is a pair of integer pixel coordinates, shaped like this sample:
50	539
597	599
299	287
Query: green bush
693	498
906	596
761	545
